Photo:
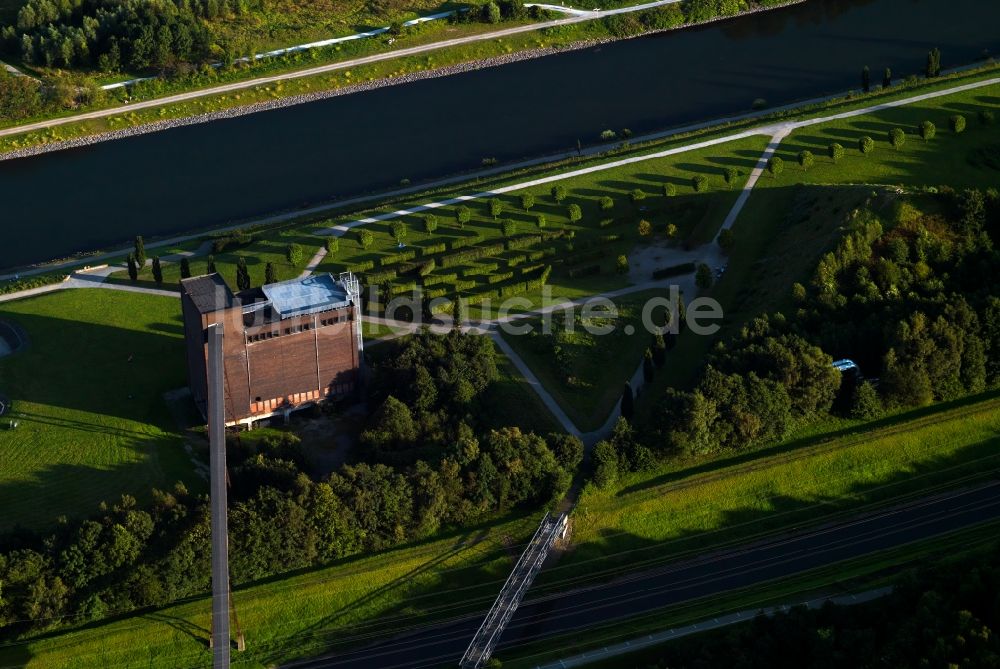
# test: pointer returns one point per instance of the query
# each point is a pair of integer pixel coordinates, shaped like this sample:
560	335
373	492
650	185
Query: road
777	557
322	69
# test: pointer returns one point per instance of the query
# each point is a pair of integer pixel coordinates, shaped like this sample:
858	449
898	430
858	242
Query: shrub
435	279
499	278
865	405
669	190
703	276
730	174
605	464
699	183
726	240
559	193
607	203
638	194
927	130
462	216
957	123
508	227
398	231
523	242
366	239
527	201
430	223
986	117
645	228
671	230
775	165
897	137
359	267
293	253
835	151
621	264
608	135
806	159
426	268
866	144
606	223
574	213
433	249
332	244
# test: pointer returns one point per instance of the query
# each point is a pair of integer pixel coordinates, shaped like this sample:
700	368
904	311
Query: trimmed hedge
361	266
673	270
499	278
440	278
514	261
396	258
381	277
472	254
463	242
427	268
523	242
433	249
479	270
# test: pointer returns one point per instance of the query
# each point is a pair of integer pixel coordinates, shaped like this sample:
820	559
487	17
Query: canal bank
213	174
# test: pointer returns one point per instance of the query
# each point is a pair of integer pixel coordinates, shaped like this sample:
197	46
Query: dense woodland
281	518
948	616
914	302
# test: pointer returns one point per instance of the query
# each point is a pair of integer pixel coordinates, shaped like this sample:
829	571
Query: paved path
321	69
747	615
756	563
314	263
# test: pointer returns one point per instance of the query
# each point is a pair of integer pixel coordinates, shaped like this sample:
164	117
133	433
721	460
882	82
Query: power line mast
219	503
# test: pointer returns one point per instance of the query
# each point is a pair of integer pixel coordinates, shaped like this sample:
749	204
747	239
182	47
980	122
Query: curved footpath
780	556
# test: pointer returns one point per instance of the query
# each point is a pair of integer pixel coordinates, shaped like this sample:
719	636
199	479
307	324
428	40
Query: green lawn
650	517
304	615
88	396
585	370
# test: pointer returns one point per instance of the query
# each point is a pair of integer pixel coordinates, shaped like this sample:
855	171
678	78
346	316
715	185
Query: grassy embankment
88	396
645	520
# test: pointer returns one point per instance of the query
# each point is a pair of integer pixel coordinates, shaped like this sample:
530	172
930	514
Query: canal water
206	175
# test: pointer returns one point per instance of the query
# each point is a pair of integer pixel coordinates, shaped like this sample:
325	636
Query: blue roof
306	296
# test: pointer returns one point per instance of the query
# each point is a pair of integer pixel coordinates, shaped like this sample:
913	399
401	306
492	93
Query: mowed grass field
88	398
304	615
654	516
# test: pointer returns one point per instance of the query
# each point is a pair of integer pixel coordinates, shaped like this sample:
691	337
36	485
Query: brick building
286	346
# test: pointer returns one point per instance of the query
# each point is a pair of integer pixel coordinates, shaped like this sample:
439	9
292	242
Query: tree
293	254
140	252
835	151
897	137
865	405
541	221
574	212
866	79
775	165
806	159
399	231
270	275
133	269
458	312
491	12
637	195
933	68
927	130
430	223
645	228
496	207
703	276
366	239
157	270
559	193
671	230
185	268
605	464
621	264
628	402
731	174
607	204
866	144
648	366
887	78
699	183
957	123
527	202
669	190
727	240
242	274
210	264
508	227
462	216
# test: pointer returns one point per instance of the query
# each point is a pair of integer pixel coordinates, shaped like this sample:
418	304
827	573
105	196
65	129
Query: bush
703	276
866	144
645	228
806	159
638	194
986	117
430	223
669	190
366	239
865	405
433	249
927	130
726	240
605	464
559	193
574	213
540	221
508	227
730	174
897	138
957	123
621	264
835	151
331	244
607	203
294	254
699	183
775	165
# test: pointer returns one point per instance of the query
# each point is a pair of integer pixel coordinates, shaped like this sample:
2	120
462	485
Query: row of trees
457	472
